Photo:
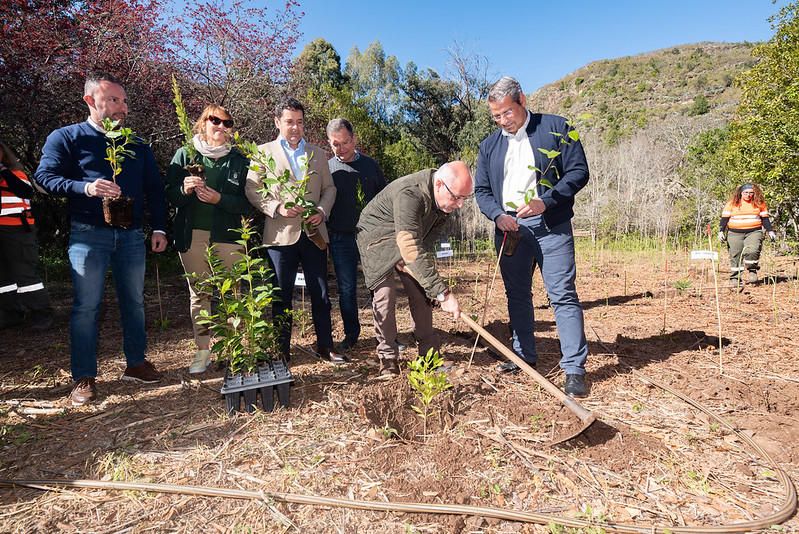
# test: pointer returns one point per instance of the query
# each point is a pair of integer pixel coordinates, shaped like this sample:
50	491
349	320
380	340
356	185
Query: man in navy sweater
358	179
528	173
73	165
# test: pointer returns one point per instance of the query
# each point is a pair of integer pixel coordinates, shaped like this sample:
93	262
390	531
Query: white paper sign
704	255
445	250
299	281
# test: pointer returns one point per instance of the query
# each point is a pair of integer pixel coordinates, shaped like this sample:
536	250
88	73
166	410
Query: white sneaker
201	360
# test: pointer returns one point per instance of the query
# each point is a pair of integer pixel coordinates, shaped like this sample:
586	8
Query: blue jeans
553	250
285	260
344	250
91	250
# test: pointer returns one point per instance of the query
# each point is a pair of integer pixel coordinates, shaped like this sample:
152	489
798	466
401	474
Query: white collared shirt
518	176
297	157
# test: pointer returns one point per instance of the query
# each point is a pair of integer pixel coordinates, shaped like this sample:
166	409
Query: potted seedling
194	167
281	185
243	339
118	211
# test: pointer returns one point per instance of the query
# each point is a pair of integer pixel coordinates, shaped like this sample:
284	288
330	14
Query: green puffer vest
406	207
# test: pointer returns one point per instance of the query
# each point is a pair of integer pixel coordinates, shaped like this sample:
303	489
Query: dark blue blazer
567	172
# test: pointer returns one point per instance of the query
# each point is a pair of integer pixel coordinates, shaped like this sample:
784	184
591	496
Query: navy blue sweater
568	172
75	155
345	212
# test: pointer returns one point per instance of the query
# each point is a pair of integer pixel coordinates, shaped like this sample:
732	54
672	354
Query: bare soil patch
651	459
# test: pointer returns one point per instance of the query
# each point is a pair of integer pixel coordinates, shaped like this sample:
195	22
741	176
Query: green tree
320	64
375	79
706	180
764	137
430	109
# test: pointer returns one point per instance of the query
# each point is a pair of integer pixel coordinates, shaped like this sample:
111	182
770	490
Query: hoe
586	417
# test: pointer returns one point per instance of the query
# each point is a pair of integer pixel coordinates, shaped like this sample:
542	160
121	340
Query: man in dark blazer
528	173
288	245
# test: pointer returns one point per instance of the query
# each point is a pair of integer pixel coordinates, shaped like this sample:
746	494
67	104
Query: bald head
452	185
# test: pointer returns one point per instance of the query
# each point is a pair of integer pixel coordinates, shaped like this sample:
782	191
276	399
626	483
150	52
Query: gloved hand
722	237
772	236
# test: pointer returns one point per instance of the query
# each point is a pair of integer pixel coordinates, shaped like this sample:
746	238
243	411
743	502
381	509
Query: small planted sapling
427	382
118	211
283	186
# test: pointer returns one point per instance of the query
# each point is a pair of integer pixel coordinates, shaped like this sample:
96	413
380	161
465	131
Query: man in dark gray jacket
396	235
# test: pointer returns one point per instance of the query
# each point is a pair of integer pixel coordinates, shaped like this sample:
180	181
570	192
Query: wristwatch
441	297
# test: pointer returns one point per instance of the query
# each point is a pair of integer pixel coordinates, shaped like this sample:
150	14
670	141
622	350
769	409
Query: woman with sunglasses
744	219
207	207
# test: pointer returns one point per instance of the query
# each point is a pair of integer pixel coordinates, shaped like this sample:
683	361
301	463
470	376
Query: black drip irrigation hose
783	514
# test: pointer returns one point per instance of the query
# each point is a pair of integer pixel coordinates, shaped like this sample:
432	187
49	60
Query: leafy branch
242	336
117	141
292	192
530	194
184	123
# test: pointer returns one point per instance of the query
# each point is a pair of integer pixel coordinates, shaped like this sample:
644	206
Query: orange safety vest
13	208
747	216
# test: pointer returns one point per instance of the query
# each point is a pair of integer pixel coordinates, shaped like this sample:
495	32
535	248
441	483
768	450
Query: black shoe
346	345
401	347
332	356
512	368
575	386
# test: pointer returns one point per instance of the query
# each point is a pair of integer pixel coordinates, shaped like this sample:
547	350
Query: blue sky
537	45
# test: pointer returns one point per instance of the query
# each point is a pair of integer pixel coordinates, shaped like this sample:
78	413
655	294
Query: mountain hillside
627	94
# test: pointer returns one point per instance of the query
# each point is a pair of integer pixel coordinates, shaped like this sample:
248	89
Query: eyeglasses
216	121
508	113
456	198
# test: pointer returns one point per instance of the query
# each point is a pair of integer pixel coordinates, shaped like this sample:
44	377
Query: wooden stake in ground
488	294
718	306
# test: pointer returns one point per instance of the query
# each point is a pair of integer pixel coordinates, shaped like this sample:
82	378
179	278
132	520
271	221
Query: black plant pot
118	211
270	378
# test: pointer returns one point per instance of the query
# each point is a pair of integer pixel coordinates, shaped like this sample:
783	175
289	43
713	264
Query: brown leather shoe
389	368
144	373
84	391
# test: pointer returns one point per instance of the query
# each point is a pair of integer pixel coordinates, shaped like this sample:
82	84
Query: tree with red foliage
223	52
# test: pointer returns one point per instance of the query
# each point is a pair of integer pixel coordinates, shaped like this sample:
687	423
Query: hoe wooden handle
583	414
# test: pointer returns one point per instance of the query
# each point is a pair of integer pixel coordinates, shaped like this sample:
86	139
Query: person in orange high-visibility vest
743	222
22	293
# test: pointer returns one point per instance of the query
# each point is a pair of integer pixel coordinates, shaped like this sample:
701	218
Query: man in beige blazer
288	246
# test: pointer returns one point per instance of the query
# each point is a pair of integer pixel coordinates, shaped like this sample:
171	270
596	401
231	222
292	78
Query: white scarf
213	152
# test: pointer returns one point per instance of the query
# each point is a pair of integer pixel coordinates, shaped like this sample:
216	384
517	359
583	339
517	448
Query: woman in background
208	207
743	221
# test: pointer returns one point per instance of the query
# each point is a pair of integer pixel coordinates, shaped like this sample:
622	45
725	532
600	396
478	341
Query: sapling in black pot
118	211
243	338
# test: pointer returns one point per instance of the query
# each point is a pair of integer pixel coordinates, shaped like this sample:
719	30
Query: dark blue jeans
344	251
285	261
553	250
91	250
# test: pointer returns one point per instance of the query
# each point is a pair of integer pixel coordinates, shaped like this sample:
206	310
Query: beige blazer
279	230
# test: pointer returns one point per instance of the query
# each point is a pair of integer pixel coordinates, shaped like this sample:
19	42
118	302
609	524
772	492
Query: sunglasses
216	121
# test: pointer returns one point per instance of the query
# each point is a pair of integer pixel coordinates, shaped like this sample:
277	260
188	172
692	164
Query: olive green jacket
400	225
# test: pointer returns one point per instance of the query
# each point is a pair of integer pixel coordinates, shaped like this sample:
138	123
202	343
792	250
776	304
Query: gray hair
93	80
443	173
505	86
336	125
